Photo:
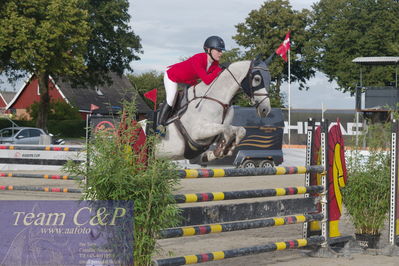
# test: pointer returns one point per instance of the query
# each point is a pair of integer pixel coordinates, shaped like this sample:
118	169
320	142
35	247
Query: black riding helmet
214	42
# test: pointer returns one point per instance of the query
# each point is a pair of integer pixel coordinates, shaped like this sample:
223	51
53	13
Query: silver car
21	135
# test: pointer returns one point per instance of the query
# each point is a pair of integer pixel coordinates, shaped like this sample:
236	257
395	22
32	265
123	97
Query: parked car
23	135
262	144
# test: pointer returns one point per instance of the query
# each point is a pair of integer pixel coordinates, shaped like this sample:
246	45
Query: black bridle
247	87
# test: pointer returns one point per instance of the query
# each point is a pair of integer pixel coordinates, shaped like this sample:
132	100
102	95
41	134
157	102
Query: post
324	182
88	116
289	98
358	104
393	209
309	156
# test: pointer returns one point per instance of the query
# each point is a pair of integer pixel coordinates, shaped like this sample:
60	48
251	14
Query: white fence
39	157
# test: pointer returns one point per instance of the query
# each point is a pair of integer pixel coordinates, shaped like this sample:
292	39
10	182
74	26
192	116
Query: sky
175	29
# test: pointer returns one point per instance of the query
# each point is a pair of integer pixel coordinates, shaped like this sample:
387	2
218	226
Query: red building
107	97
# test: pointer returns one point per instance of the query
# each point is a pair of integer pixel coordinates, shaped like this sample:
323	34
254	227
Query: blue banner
64	232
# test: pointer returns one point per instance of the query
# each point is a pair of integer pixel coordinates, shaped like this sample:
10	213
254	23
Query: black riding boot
162	117
163	114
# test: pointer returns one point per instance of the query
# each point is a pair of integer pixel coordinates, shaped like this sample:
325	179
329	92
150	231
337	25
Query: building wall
3	104
30	94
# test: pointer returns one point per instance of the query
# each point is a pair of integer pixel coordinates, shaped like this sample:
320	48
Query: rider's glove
224	65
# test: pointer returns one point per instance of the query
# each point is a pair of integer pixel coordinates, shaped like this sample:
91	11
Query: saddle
192	149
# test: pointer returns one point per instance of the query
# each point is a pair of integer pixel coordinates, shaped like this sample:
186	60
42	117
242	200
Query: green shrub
116	173
67	128
22	123
366	195
59	110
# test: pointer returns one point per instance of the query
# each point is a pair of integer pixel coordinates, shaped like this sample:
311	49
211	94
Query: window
99	92
34	133
24	133
8	132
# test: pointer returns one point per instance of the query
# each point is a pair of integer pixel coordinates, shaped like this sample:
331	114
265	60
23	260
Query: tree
43	37
72	39
342	30
264	30
113	45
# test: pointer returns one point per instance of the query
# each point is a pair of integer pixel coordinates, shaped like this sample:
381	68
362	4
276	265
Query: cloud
172	30
178	28
321	92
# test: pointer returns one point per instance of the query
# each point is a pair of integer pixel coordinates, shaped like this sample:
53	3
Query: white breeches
170	88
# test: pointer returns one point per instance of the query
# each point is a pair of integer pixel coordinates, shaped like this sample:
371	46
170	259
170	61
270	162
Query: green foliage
366	195
82	40
43	37
67	128
112	45
276	98
231	56
147	81
59	110
342	30
22	123
38	36
115	172
264	30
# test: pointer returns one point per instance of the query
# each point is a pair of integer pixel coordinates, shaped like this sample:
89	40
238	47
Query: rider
202	66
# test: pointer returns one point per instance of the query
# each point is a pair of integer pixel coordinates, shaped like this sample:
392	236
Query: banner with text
66	232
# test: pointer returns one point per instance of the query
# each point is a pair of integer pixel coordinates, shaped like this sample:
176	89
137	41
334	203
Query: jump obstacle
24	156
315	211
202	220
233	217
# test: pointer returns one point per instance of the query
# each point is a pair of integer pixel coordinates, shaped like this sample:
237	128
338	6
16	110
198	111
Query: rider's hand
224	65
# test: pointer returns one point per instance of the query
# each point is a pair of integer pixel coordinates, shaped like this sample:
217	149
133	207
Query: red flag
151	95
284	47
93	107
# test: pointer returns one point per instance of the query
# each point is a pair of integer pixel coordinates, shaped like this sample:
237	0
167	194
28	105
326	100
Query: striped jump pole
230	172
45	176
40	148
237	226
225	254
244	194
41	189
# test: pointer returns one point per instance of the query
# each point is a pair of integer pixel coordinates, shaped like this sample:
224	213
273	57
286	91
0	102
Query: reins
226	106
189	141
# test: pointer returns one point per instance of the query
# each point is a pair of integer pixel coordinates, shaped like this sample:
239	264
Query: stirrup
160	130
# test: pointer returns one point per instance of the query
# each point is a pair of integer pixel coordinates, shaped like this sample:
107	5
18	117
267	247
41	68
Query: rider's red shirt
193	69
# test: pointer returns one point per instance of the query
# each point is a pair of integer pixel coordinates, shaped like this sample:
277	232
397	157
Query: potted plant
366	195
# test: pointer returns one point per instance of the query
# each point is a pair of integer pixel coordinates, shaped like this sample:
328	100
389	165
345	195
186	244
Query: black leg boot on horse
163	116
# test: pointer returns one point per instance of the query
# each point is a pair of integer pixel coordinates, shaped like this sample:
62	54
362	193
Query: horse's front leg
231	135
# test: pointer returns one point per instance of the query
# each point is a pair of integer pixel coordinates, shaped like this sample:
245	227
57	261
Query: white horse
209	113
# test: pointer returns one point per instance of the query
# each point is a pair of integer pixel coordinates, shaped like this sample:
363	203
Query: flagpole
289	98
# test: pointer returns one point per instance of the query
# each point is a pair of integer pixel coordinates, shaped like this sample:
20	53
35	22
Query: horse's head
256	85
